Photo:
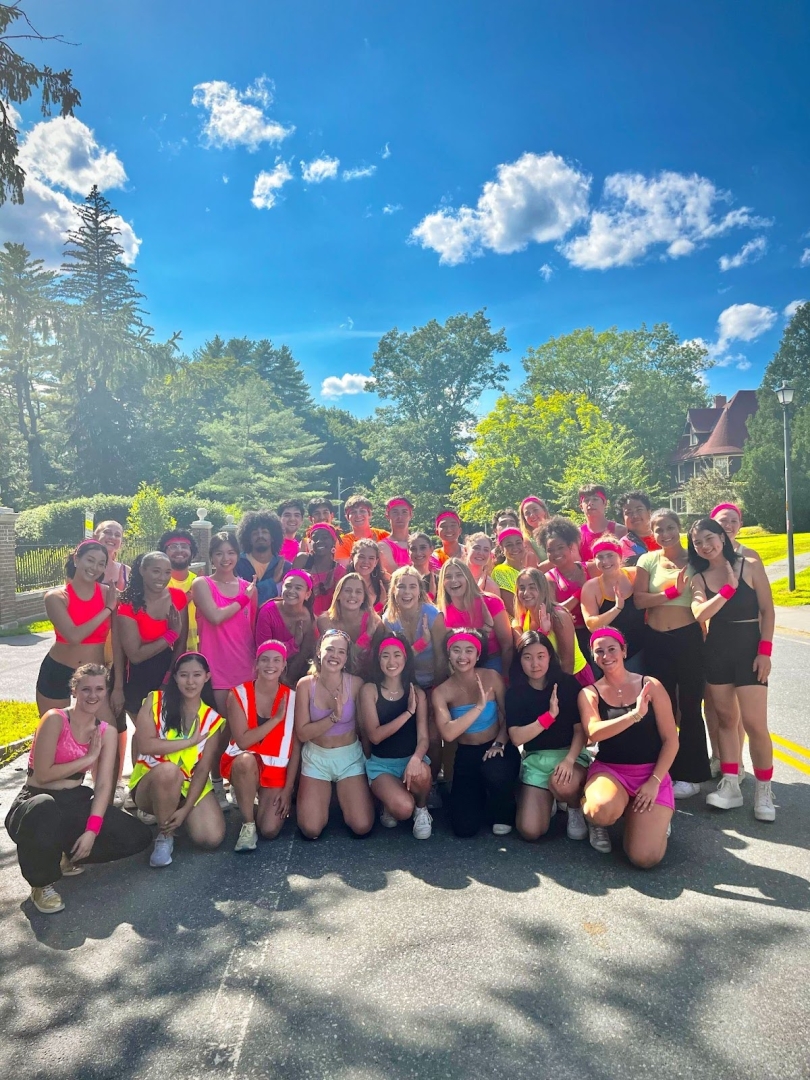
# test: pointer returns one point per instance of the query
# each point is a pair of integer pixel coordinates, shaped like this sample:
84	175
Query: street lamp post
785	395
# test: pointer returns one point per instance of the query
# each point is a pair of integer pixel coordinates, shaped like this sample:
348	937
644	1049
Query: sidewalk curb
14	749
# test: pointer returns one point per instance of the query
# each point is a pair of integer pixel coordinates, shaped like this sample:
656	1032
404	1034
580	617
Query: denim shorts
333	764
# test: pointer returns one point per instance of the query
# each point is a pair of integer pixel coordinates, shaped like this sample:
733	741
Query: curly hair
259	519
560	528
134	592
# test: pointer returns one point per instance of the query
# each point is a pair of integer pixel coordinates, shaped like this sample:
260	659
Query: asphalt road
390	958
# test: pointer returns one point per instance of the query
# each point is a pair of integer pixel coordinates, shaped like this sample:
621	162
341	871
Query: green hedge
62	522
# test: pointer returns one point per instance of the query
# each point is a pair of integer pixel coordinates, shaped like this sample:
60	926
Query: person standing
321	566
560	537
287	619
394	551
593	502
635	508
181	548
358	512
533	515
111	535
505	574
448	529
291	515
260	537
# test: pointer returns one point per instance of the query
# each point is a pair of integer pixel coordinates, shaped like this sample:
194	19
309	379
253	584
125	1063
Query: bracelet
727	591
420	645
243	600
171	636
765	648
672	592
94	823
497	743
637	718
545	720
658	778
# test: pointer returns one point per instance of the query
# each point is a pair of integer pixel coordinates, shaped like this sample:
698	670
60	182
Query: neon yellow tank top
579	659
208	721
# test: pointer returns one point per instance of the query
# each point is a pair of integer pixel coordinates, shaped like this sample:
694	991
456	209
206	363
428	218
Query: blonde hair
546	596
473	593
392	612
332	612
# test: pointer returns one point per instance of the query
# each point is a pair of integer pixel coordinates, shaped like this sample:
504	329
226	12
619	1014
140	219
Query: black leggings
675	658
483	791
44	824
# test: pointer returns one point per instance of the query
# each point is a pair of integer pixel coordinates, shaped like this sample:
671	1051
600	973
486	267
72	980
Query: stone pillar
202	530
8	569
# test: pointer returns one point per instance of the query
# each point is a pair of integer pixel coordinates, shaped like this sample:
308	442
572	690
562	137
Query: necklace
390	695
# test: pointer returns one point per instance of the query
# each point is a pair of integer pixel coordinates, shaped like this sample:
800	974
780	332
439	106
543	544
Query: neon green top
505	577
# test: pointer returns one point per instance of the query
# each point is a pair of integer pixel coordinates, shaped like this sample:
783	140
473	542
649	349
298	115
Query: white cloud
536	198
225	178
392	208
348	325
61	153
750	252
805	259
268	184
792	308
743	322
334	387
386	151
743	365
320	169
671	210
64	152
359	173
546	271
236	117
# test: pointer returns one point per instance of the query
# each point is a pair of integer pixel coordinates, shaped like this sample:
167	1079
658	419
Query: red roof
728	427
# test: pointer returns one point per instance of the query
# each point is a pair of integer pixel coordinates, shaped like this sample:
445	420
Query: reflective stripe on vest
246	693
208	721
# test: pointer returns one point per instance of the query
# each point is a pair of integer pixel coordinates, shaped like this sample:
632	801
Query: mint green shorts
333	764
538	765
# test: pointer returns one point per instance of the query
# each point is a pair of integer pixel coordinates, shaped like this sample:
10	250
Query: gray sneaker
422	823
577	827
162	851
600	839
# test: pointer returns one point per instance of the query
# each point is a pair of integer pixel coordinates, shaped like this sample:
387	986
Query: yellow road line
786	744
800	765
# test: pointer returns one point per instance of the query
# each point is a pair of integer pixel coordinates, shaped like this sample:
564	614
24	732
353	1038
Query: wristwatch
499	744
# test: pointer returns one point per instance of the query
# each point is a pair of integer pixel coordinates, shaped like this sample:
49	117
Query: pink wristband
545	720
671	592
94	823
243	600
765	648
727	592
171	636
420	645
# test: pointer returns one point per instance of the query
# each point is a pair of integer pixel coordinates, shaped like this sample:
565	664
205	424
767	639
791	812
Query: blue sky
318	173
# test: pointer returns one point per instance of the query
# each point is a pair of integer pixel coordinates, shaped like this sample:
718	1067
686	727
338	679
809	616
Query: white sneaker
599	839
147	819
220	795
422	823
388	821
68	868
501	830
763	801
577	827
714	766
120	797
434	799
248	837
727	795
162	851
682	789
669	830
47	900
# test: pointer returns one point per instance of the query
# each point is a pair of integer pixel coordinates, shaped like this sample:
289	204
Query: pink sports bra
400	555
67	749
565	589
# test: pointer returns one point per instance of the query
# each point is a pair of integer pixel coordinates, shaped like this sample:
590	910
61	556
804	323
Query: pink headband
303	575
608	631
324	525
597	491
505	533
83	543
186	655
532	498
447	514
726	506
398	502
272	646
606	545
462	635
391	642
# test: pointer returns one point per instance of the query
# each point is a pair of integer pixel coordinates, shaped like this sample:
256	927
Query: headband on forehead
606	545
447	514
596	491
186	655
534	499
305	577
391	642
85	543
324	525
272	645
726	506
392	503
504	534
608	631
176	538
462	635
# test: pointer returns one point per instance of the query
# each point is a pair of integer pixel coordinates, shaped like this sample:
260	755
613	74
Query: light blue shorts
336	763
393	766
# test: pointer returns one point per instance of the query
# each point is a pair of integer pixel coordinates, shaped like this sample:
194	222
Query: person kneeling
262	758
55	820
542	716
630	716
176	754
393	711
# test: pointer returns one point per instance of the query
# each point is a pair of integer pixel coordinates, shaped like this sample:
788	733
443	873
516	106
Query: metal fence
44	567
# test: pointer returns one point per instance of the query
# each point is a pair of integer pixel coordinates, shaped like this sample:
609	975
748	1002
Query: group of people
547	666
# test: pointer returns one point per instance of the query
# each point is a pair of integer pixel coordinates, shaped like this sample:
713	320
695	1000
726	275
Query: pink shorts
631	778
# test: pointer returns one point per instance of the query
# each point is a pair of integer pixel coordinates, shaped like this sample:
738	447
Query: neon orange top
82	611
344	548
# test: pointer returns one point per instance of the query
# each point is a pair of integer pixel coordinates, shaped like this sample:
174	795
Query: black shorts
731	649
54	679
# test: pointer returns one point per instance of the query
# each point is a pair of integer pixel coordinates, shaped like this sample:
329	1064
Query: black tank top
403	742
629	622
742	607
640	744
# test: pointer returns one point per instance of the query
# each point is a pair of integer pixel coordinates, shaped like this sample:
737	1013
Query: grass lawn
792	599
773	546
41	627
17	719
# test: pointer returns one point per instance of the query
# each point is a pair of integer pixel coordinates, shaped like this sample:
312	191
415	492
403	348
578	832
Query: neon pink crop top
565	589
67	749
346	722
82	611
400	555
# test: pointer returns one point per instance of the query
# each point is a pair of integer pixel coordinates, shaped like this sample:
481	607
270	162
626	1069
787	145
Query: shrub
149	514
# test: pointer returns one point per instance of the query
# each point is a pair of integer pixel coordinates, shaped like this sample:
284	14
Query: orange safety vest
274	749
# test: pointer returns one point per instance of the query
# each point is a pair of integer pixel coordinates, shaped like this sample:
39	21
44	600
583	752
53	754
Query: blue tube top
488	716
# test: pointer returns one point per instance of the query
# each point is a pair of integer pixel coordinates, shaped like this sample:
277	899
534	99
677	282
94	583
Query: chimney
719	401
